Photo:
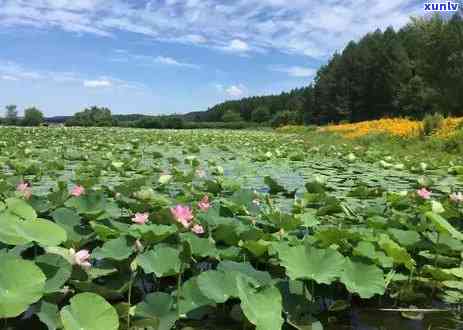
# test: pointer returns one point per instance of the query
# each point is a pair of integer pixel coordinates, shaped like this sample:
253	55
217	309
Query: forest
409	73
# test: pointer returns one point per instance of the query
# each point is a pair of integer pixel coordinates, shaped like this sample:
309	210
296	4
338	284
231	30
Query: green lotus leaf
437	273
156	311
22	283
92	203
454	284
89	311
201	247
48	314
162	261
117	249
367	250
15	231
365	280
245	269
262	308
104	232
44	232
192	298
283	220
396	252
257	248
443	226
20	208
306	262
70	221
404	237
152	233
57	270
9	233
458	272
217	286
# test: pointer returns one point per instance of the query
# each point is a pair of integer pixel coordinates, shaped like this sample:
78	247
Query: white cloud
13	71
302	27
171	61
97	83
10	78
232	91
219	88
235	91
296	71
125	56
237	45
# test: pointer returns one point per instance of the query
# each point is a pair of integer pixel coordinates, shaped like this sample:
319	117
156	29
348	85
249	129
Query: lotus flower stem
434	285
129	298
179	290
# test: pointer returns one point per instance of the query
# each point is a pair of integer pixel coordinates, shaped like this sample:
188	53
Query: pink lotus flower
456	197
198	229
81	258
204	204
77	191
141	218
182	214
424	193
24	189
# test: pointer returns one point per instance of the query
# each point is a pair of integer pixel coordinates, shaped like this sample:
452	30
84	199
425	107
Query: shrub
231	116
284	118
454	143
431	123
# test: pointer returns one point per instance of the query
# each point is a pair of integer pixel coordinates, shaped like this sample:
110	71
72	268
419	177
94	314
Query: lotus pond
105	229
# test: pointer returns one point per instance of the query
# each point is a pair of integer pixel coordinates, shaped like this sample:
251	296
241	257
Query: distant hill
57	119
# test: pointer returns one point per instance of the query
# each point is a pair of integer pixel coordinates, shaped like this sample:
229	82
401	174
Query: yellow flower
394	126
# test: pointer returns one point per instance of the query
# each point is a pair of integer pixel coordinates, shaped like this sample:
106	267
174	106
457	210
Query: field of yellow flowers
394	126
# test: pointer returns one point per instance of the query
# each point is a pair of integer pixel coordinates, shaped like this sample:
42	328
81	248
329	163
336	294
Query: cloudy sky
173	56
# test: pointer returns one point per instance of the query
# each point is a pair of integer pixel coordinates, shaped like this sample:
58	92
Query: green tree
415	99
231	116
32	117
93	116
261	114
284	118
11	115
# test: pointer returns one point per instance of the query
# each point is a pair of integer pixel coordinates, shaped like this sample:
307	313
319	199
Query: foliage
261	114
11	115
272	227
94	116
231	116
284	118
32	117
431	124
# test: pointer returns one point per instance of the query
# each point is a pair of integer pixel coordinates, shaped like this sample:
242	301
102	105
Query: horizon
171	56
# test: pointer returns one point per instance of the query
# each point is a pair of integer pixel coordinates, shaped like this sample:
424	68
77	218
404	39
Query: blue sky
173	56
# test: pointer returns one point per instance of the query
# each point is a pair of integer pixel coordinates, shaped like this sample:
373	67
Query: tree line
32	116
102	117
411	72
